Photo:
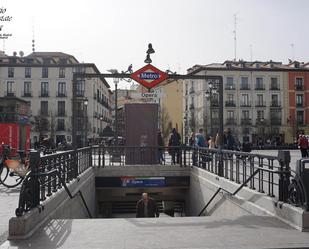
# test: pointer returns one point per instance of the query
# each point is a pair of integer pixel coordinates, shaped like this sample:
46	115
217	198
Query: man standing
303	145
146	207
174	144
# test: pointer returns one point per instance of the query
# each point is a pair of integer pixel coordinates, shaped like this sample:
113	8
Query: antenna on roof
235	35
293	54
33	41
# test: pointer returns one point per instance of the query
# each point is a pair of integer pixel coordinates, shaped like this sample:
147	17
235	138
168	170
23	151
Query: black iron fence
266	174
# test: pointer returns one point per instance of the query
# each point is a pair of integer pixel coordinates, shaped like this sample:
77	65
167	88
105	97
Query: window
274	100
244	83
186	89
62	72
60	125
61	108
259	84
230	114
245	114
300	117
27	72
260	115
11	72
229	83
299	100
27	89
245	100
45	72
46	61
10	88
44	89
44	108
274	85
230	98
260	101
80	88
299	84
61	89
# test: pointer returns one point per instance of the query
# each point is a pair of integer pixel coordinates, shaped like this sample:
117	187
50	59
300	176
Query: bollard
284	159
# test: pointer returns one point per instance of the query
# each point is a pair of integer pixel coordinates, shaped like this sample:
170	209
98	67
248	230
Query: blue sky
115	33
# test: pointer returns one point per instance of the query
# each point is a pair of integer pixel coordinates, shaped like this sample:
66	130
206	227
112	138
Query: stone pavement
8	204
178	233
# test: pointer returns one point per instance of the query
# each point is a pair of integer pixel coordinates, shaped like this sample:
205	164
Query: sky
115	33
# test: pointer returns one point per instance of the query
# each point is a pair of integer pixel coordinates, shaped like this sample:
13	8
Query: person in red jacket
303	145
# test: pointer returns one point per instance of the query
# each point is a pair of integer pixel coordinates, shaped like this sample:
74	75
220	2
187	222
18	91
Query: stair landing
177	233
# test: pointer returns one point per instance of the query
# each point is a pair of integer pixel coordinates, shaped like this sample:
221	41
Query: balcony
230	103
61	114
61	94
231	121
299	87
259	87
274	88
80	93
44	94
27	94
244	87
275	104
275	121
246	121
260	103
60	128
230	87
245	104
300	105
214	103
10	94
260	121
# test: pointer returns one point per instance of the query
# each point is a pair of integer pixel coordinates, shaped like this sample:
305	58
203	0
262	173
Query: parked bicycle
12	171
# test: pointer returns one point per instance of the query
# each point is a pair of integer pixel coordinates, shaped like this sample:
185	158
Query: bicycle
12	171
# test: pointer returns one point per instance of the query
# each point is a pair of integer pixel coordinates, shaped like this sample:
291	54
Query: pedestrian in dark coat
146	207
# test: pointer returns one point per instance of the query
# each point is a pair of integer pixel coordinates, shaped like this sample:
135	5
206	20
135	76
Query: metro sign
149	76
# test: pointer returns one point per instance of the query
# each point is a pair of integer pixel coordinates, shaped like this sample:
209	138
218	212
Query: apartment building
45	79
256	101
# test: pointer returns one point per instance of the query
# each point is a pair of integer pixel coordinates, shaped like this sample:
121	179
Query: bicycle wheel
13	179
3	173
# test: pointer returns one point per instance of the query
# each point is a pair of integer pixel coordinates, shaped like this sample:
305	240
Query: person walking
146	207
193	147
211	143
174	143
160	148
303	145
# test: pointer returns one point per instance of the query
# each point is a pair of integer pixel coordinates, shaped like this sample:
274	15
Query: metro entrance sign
149	76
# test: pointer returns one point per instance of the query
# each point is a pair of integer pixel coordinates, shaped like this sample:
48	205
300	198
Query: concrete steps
153	233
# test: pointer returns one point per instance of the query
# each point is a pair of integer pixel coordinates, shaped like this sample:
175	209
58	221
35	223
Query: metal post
116	107
221	134
35	185
74	112
284	158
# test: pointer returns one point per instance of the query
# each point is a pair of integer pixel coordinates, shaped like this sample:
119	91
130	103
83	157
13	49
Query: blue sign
149	76
142	181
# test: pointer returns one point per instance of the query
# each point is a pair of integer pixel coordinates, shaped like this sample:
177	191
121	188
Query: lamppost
209	96
85	121
116	81
216	87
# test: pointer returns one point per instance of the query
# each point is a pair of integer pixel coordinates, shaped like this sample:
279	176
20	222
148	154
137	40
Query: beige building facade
45	79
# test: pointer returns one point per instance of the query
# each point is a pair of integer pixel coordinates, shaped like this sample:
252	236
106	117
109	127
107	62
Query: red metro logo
149	76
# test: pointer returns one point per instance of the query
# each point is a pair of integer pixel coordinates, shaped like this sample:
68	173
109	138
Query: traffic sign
149	76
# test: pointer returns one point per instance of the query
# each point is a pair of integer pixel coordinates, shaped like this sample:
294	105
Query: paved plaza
189	232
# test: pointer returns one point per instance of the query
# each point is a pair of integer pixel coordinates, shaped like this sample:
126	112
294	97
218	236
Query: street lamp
85	121
209	96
